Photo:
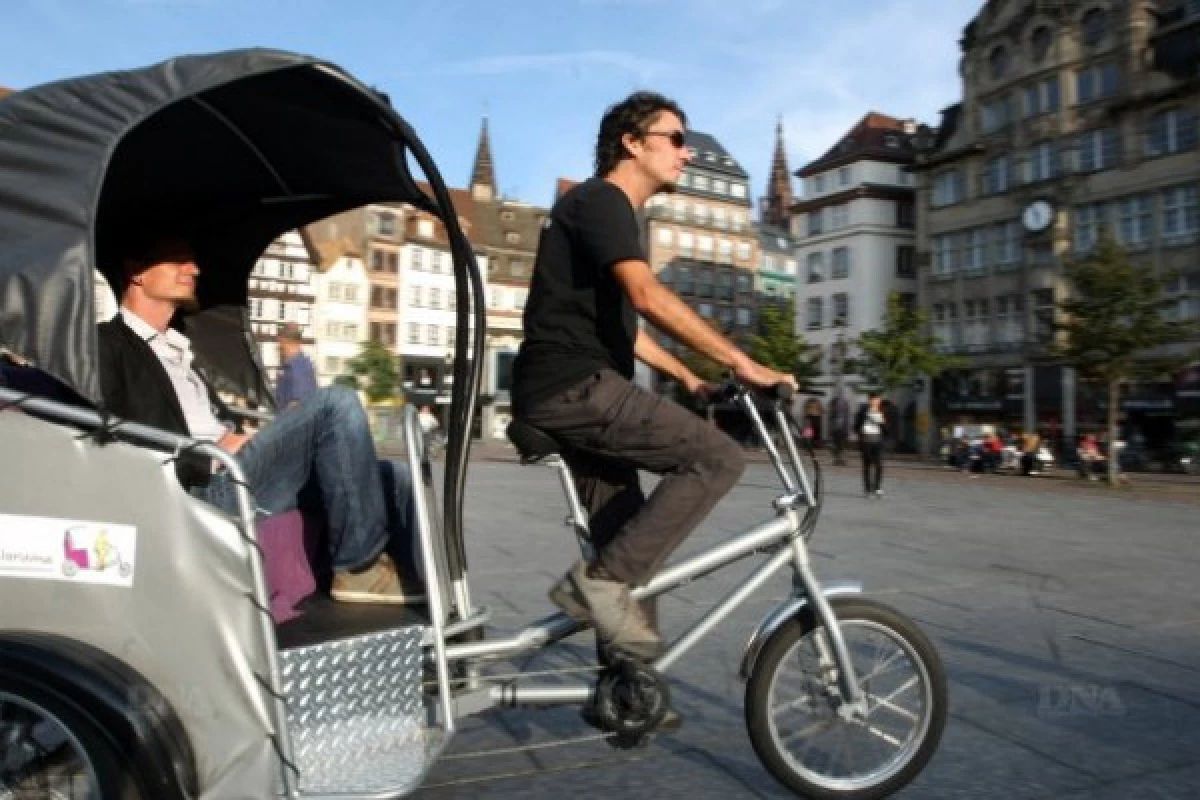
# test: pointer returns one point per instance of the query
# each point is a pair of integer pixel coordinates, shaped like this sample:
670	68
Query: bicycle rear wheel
792	702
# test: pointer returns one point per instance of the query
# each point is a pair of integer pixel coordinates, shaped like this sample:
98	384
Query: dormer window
710	156
998	62
891	140
1095	26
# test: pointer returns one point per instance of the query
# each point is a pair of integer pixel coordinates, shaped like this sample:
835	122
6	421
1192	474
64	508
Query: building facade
281	290
1078	119
701	242
339	320
855	229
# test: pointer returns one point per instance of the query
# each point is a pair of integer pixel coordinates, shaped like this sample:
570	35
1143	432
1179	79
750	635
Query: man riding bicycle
573	375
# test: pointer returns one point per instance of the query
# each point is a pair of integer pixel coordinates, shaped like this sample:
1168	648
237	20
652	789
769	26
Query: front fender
790	608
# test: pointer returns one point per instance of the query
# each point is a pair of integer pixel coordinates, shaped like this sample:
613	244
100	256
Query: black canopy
230	149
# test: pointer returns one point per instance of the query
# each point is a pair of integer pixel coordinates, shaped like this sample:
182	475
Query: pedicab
172	679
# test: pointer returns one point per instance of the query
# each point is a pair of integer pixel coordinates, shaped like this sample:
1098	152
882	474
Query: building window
414	333
814	313
1095	26
414	298
906	214
393	262
743	283
818	184
433	334
376	261
686	241
1043	313
743	251
906	261
1040	162
1096	83
1041	40
840	216
1042	97
1135	224
949	187
1181	215
996	115
743	317
425	228
816	222
705	310
418	258
435	297
945	253
841	310
666	236
816	267
1006	243
1170	131
1099	150
996	175
974	249
387	223
844	175
841	263
720	186
998	62
1088	222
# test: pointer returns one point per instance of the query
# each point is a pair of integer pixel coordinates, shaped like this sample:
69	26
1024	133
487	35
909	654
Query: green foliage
891	357
1114	319
374	371
1112	324
779	347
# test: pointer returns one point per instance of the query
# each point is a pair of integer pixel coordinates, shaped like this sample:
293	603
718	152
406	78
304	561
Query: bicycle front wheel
792	701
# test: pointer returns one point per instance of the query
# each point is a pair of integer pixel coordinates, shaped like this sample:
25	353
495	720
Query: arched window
1041	41
1095	26
998	62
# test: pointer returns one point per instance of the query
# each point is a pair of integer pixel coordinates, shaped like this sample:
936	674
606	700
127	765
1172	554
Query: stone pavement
1068	622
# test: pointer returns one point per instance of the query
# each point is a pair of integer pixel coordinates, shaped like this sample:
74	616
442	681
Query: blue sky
544	70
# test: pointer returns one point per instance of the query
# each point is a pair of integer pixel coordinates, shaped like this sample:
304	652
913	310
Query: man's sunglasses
676	138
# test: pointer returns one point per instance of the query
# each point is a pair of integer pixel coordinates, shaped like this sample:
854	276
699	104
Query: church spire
483	174
776	206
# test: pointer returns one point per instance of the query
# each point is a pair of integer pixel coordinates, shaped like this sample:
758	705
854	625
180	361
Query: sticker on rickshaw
68	550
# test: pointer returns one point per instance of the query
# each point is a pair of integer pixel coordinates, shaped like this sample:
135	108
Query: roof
5	92
711	155
464	206
329	252
875	137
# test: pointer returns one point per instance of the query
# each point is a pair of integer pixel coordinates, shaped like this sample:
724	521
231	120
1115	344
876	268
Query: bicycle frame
783	537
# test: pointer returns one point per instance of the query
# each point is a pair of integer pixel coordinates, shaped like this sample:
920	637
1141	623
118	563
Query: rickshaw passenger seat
533	444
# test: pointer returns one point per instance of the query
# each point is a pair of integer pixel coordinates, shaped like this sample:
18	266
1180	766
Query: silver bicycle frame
782	537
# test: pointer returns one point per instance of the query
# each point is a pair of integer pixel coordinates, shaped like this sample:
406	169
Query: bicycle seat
533	444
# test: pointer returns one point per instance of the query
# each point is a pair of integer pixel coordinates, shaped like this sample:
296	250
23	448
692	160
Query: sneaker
879	493
379	583
608	605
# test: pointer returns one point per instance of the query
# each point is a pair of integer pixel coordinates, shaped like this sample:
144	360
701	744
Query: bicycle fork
830	644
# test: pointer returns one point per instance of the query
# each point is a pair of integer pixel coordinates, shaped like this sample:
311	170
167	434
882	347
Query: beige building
1076	118
701	242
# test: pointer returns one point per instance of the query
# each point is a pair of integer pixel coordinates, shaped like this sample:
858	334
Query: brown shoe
379	583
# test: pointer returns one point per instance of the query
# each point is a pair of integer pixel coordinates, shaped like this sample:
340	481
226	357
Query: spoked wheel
48	751
792	704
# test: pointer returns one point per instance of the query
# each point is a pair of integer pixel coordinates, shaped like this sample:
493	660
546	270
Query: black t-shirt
578	319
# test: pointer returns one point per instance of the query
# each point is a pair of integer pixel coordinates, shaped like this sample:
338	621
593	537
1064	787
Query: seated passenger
146	376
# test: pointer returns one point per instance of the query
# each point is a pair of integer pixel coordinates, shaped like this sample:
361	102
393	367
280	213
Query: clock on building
1037	216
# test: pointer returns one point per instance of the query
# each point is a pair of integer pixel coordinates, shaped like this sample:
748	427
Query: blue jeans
326	438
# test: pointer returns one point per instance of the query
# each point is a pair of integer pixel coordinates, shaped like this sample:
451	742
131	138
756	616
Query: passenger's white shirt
174	352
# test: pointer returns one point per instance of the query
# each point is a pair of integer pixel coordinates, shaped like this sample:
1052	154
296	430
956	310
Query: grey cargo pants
612	429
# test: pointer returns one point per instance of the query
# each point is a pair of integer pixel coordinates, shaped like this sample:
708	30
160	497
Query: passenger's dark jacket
137	388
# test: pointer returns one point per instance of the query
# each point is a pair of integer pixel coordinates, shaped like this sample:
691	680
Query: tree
779	347
374	371
1113	325
892	356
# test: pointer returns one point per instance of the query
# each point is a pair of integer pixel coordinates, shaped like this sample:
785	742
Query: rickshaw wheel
51	748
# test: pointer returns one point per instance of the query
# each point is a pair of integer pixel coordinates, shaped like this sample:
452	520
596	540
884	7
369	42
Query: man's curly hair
633	115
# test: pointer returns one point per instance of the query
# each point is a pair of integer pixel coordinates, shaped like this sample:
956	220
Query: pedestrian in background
871	426
297	379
